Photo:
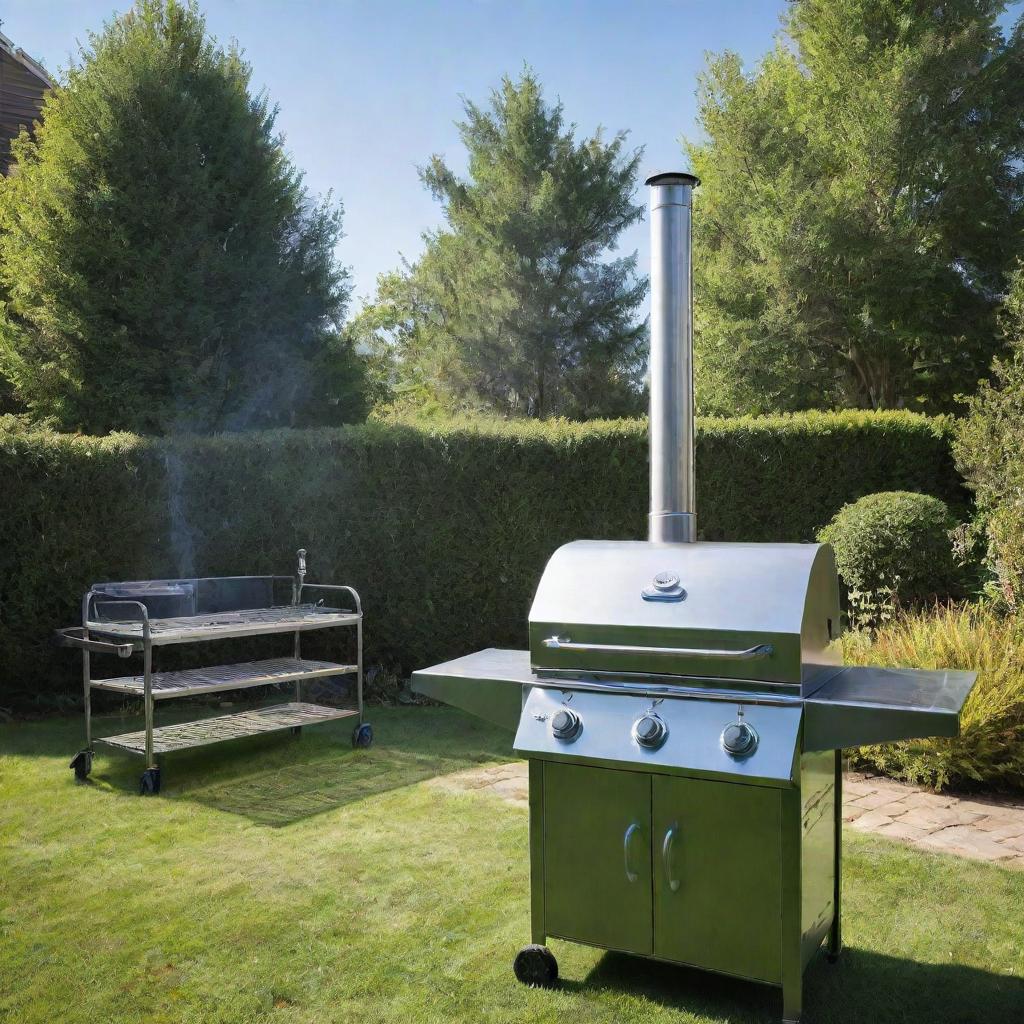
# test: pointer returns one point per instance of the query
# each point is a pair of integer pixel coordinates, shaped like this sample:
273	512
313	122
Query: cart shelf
187	629
205	731
216	678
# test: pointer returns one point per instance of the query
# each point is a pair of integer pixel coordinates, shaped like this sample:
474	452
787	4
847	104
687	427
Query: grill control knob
566	725
739	739
650	731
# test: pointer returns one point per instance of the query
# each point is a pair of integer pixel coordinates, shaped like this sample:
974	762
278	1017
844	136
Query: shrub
444	530
990	747
989	449
896	544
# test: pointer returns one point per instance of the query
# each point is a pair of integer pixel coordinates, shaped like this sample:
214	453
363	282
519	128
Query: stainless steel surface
123	617
739	739
691	746
738	596
725	914
490	684
866	704
228	624
649	730
564	643
667	849
682	709
206	731
76	636
217	678
588	896
672	515
627	840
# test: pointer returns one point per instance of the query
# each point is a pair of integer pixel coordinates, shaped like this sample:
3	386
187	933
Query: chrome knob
739	739
650	731
566	725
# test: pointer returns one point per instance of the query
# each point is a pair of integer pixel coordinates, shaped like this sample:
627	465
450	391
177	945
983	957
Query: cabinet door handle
666	856
627	839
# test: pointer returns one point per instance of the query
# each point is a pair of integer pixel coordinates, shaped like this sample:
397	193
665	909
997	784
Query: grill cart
135	617
684	714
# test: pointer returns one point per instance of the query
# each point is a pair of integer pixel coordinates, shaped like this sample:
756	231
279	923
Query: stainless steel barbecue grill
137	616
684	713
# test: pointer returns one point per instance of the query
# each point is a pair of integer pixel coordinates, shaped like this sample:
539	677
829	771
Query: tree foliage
515	305
988	448
164	266
861	207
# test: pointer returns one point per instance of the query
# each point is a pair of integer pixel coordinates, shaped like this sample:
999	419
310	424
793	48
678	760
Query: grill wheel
536	966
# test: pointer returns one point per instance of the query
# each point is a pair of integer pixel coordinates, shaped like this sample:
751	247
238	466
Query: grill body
684	853
683	714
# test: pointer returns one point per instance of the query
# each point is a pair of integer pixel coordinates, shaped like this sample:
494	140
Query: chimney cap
673	178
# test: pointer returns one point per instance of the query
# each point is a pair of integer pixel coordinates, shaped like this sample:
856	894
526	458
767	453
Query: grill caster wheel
536	966
362	735
149	782
82	764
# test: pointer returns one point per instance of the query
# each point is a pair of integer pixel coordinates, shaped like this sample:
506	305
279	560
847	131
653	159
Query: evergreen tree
861	207
164	267
515	306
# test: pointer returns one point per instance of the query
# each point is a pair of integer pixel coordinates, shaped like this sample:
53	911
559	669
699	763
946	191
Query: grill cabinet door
597	856
718	876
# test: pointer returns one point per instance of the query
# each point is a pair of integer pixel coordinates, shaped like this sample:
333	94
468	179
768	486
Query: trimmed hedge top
444	529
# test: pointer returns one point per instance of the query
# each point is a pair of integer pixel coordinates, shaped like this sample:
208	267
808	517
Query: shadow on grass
278	779
312	785
864	987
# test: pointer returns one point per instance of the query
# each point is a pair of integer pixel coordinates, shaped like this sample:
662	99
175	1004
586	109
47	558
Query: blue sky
368	90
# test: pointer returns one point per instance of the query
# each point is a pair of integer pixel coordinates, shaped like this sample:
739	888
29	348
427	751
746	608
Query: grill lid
736	611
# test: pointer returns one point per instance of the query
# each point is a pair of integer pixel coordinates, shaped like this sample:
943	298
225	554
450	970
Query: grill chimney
672	517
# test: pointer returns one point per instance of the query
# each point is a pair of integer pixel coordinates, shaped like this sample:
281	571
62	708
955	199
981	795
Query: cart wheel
82	764
149	782
362	735
536	966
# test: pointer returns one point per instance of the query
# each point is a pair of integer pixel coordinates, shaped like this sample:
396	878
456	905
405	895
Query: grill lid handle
564	643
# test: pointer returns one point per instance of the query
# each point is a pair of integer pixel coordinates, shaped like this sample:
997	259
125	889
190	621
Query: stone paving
982	829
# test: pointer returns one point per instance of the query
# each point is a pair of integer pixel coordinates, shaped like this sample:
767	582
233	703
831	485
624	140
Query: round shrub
894	545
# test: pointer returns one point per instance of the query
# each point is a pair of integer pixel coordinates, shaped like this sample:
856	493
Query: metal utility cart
135	617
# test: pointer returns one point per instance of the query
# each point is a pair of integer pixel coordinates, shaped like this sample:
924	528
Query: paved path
989	830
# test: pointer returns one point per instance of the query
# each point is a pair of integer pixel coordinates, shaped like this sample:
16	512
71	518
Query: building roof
23	82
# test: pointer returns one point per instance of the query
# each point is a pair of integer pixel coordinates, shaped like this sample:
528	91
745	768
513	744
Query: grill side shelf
217	678
205	731
865	704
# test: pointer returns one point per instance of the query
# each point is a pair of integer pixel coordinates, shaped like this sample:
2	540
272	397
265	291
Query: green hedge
443	530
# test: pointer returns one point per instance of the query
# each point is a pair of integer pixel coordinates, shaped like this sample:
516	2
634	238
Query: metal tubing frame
147	652
359	632
147	670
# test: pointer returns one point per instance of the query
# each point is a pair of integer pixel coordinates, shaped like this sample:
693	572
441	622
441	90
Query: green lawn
287	881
